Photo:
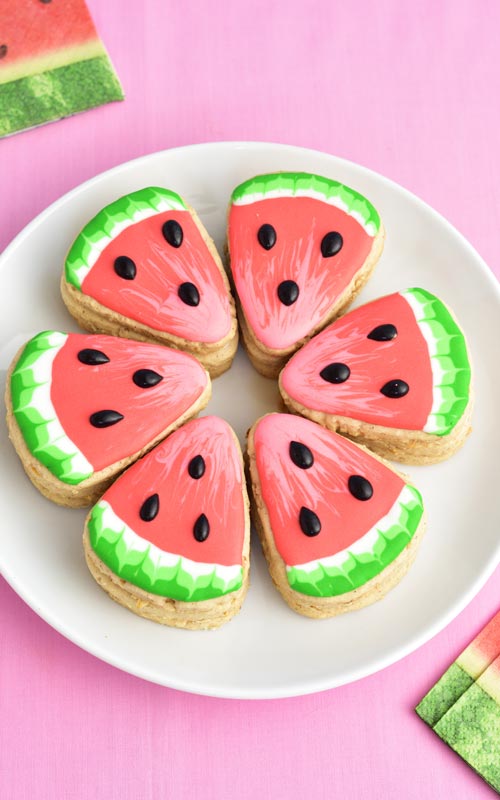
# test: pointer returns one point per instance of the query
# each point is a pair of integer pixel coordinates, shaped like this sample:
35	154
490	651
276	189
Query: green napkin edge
444	694
471	727
57	93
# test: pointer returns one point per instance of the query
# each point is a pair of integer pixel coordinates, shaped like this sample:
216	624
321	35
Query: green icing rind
57	93
143	564
472	728
109	222
450	363
304	184
34	412
352	568
445	693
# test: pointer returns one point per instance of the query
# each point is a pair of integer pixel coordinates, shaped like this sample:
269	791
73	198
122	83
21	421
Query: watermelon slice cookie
81	408
146	268
338	526
170	539
394	374
301	247
52	63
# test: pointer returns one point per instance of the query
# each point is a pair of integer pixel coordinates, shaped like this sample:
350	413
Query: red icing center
79	390
217	494
152	297
300	224
372	364
323	488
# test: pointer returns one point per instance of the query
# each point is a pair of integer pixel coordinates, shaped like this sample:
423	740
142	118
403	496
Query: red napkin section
52	63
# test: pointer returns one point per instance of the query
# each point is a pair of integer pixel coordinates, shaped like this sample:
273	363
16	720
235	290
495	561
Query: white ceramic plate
267	650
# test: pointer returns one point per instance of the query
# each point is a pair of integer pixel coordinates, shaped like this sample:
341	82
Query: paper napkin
52	63
463	707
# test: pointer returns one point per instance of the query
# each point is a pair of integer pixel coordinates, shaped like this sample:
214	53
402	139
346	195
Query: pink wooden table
408	89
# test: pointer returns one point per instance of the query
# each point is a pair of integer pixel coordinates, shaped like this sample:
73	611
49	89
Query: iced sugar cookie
301	247
170	539
81	408
339	528
146	268
393	374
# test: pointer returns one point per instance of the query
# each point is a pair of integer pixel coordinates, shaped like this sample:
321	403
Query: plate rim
308	686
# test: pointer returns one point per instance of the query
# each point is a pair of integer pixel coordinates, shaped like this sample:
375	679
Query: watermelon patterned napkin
463	708
52	63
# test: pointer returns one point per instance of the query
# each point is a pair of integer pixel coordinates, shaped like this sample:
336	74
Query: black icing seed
396	388
3	50
150	508
301	455
335	373
360	487
196	467
309	522
331	244
383	333
288	291
201	528
145	378
125	268
189	294
266	236
172	232
103	419
92	357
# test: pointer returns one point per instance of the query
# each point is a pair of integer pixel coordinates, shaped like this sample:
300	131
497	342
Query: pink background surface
408	89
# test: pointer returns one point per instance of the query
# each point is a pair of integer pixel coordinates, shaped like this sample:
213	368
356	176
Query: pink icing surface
218	493
78	390
372	365
322	488
300	224
152	298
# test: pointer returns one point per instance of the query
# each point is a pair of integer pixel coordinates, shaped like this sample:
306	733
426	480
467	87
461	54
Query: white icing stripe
332	200
40	401
433	424
416	306
163	558
96	249
118	226
81	273
367	542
